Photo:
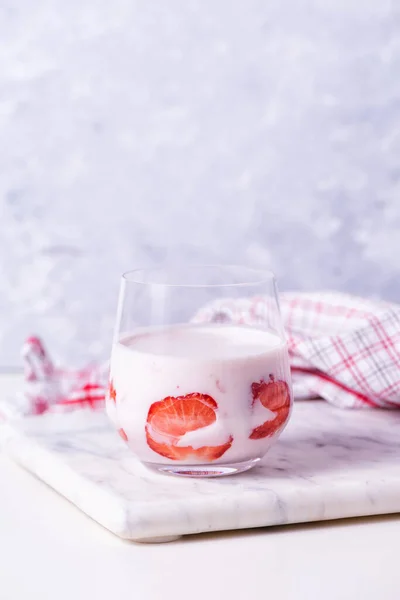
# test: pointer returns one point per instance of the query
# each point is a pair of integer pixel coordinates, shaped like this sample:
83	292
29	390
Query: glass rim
260	276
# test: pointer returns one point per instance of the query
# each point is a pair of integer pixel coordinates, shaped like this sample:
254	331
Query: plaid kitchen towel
342	348
47	388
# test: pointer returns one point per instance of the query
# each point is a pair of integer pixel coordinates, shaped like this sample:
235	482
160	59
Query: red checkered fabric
342	348
56	390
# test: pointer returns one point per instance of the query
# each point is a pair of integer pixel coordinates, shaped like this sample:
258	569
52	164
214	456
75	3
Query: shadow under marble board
328	464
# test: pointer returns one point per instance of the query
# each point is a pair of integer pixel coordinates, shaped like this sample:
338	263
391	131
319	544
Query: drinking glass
199	380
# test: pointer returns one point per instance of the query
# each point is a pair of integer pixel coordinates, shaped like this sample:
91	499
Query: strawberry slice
123	434
176	416
270	427
174	452
112	394
274	395
169	419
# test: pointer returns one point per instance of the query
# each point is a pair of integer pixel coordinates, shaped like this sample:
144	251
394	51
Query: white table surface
50	550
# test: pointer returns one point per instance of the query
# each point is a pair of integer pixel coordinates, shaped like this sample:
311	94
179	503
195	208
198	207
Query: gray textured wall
223	130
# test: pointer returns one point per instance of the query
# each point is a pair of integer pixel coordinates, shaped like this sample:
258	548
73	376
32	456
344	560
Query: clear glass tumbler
199	380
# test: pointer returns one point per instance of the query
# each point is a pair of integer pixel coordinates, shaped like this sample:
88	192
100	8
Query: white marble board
328	464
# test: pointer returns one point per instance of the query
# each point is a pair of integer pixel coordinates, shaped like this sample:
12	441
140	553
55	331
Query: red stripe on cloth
82	399
93	401
387	341
341	385
349	363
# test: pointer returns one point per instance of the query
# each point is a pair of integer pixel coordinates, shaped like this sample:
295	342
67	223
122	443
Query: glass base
203	470
158	540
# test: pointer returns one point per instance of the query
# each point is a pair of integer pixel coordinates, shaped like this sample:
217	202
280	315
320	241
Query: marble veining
328	464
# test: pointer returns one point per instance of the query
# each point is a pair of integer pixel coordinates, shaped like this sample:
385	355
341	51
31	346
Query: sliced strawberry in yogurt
171	418
275	396
112	394
123	434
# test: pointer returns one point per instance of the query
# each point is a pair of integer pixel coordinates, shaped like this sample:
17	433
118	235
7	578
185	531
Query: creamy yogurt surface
199	393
